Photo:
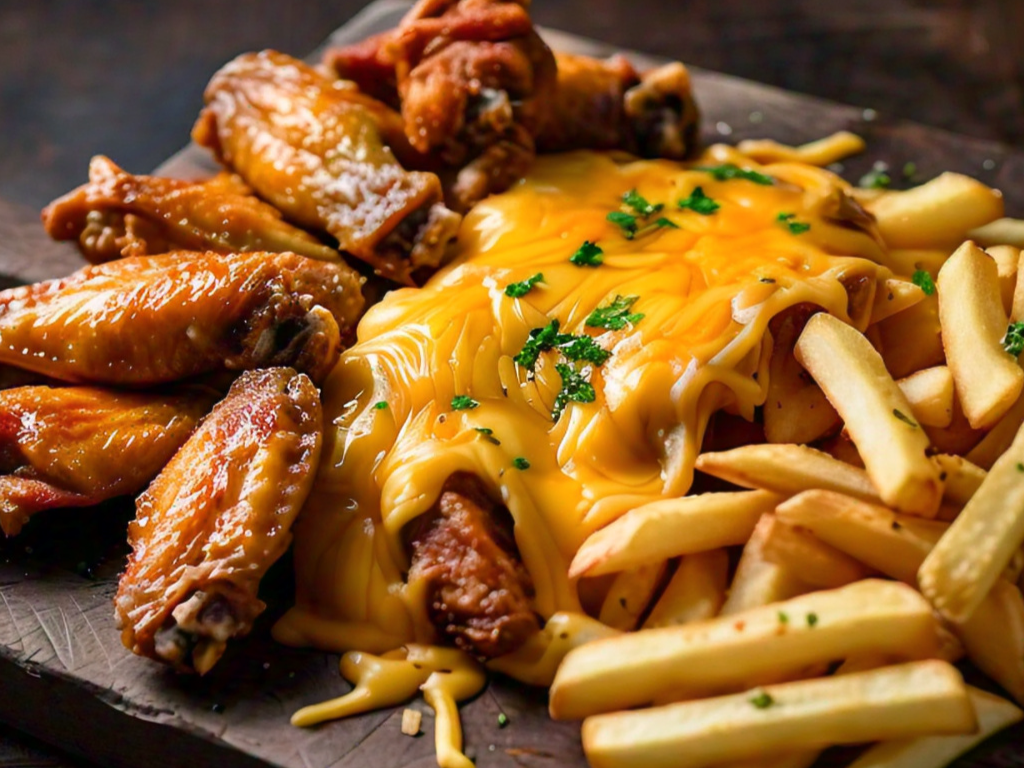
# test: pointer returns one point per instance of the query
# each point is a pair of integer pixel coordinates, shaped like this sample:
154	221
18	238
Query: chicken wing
148	320
606	104
217	518
316	150
117	214
77	446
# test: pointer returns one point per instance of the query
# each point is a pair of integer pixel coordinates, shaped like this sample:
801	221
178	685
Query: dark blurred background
125	77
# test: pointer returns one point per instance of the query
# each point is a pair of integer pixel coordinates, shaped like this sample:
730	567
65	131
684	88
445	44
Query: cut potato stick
1003	231
875	412
819	564
630	594
936	214
962	479
887	541
1017	304
695	592
762	645
1006	258
672	527
973	322
980	543
918	699
959	437
821	152
896	295
758	581
994	444
911	340
994	637
786	470
994	713
841	448
930	394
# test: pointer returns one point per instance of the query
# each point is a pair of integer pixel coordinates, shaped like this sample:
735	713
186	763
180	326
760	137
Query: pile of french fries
881	532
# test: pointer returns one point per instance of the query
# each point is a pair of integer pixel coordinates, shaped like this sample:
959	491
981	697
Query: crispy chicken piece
149	320
217	518
473	81
117	214
606	104
316	150
478	590
77	446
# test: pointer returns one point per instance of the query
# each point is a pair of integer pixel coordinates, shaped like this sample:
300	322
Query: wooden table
125	78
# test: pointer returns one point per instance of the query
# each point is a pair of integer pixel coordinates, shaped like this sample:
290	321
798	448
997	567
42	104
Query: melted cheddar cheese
706	288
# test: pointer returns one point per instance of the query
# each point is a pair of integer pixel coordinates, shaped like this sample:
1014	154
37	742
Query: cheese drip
707	290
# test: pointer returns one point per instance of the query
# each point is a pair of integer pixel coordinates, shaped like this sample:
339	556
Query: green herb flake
1020	466
582	349
729	172
783	617
924	281
463	403
762	700
875	179
575	348
523	287
624	221
812	619
789	221
640	204
488	435
904	418
502	720
1013	341
380	405
588	255
698	202
575	388
616	316
909	170
520	463
540	340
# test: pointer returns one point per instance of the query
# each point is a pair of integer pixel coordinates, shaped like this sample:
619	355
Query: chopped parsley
624	221
924	281
639	204
540	340
576	348
463	403
904	418
698	202
616	315
575	388
1013	341
812	619
502	719
523	287
789	221
875	179
583	349
488	435
380	405
783	617
909	170
1020	466
762	700
588	255
520	463
728	172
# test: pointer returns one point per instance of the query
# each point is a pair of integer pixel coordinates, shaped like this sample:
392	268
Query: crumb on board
411	721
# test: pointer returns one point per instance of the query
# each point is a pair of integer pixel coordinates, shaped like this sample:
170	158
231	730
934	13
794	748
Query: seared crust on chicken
478	591
78	446
150	320
318	151
216	518
117	214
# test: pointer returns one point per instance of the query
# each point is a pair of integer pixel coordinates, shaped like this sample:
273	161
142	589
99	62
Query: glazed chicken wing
77	446
217	518
117	214
316	150
154	319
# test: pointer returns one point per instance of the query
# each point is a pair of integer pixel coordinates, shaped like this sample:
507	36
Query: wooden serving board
65	677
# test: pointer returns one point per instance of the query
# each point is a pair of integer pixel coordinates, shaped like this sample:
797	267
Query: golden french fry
994	444
1017	303
786	470
973	553
973	321
930	394
875	411
994	637
1006	258
917	699
672	527
841	448
994	714
819	564
1004	231
962	479
630	594
936	214
830	149
695	592
911	340
959	437
887	541
758	581
762	645
896	295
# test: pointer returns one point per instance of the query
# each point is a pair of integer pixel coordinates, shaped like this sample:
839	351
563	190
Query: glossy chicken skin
78	446
316	150
117	214
149	320
216	518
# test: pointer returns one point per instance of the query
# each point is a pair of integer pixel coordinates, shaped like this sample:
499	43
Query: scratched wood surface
66	679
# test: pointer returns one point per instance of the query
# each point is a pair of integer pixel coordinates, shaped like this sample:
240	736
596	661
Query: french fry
758	581
841	448
1017	304
884	540
896	295
756	647
1003	231
959	437
962	479
994	444
786	470
973	553
930	394
695	592
672	527
821	152
994	713
911	340
973	321
630	594
875	411
917	699
818	564
994	637
936	214
1006	258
